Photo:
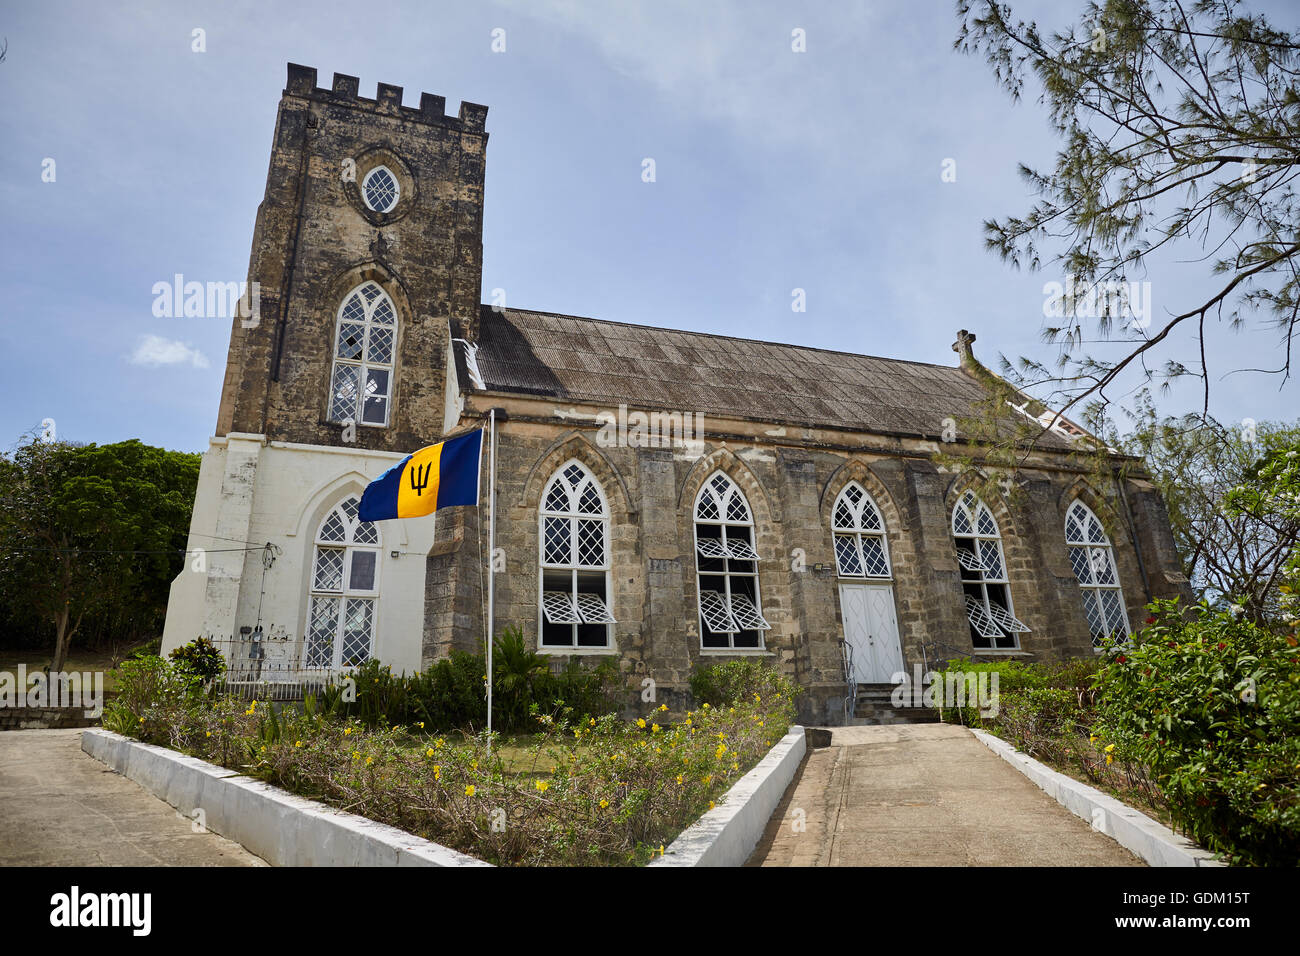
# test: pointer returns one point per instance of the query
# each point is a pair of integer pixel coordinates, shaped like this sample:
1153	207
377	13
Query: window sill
736	652
1002	652
584	651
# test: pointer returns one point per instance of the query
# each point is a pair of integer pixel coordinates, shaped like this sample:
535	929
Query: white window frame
575	568
972	507
1085	520
363	364
856	529
346	592
365	189
721	501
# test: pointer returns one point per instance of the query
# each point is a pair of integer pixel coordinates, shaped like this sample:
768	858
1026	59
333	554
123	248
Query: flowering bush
619	790
1210	702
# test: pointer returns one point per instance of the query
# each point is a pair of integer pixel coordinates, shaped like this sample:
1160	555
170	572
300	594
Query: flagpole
492	546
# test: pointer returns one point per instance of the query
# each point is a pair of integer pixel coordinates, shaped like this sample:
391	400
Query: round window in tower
380	189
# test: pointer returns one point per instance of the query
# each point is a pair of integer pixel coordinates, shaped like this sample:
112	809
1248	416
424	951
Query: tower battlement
387	101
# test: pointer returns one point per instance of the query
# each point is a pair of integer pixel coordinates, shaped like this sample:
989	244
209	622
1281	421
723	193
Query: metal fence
272	669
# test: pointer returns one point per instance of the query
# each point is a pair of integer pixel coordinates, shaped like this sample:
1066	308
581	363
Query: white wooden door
871	628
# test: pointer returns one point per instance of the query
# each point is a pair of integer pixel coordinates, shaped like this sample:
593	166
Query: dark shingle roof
608	363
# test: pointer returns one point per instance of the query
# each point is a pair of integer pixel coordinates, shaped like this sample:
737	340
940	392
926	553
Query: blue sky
774	170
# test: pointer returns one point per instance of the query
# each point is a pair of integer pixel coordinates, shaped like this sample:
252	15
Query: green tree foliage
1211	704
91	537
1231	555
1179	129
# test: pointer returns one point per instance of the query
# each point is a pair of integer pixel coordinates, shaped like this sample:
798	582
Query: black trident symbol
420	478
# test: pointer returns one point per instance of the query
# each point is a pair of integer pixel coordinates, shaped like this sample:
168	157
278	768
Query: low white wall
1147	838
728	834
283	829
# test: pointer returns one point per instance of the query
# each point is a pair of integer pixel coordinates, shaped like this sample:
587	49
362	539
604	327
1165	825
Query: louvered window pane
978	615
333	529
343	405
591	542
873	557
557	499
558	608
1092	609
746	615
991	558
321	629
1004	618
328	575
592	609
1082	566
555	543
711	547
846	554
717	616
739	548
968	561
357	632
1102	569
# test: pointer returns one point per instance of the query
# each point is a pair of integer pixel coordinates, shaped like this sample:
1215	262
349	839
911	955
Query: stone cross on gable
963	346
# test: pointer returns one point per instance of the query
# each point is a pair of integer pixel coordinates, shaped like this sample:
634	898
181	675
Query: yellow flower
708	778
661	849
712	804
429	752
1109	748
469	791
347	731
663	706
1109	760
297	743
679	779
604	803
369	761
722	749
437	772
655	728
209	733
640	722
705	707
1092	738
592	721
542	786
420	725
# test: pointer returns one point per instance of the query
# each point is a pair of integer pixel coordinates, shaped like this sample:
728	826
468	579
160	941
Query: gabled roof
592	361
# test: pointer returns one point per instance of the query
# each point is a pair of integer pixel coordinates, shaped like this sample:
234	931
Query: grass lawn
78	660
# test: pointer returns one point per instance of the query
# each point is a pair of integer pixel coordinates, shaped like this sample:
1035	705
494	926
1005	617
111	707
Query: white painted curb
281	828
1130	828
727	834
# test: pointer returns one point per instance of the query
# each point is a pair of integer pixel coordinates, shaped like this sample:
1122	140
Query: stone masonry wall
791	491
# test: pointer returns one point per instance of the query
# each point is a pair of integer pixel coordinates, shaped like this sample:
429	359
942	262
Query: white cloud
154	350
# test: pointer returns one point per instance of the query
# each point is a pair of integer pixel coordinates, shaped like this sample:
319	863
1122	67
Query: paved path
61	807
924	795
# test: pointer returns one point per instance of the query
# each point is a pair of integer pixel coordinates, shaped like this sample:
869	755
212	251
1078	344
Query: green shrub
1210	702
153	693
200	660
723	684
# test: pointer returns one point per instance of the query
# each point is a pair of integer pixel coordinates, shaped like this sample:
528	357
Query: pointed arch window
365	339
861	550
1093	561
983	569
574	605
726	565
344	590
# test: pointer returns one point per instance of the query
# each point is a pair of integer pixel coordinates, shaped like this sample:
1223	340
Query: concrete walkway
60	807
923	795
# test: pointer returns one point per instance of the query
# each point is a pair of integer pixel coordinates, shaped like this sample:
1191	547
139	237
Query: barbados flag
439	476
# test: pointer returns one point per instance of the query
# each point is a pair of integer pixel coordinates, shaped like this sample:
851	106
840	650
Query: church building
665	498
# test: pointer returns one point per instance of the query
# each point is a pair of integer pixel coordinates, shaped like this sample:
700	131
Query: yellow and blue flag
439	476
